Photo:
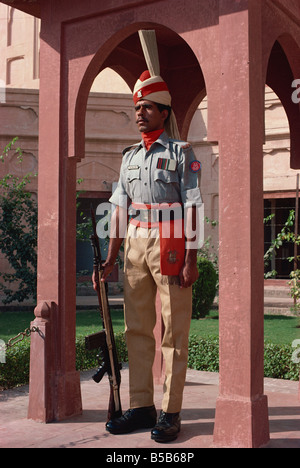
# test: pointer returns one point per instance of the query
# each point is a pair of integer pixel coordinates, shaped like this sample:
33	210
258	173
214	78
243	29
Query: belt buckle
148	216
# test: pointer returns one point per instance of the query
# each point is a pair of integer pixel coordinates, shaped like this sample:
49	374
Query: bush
203	356
278	362
88	359
205	288
18	233
15	371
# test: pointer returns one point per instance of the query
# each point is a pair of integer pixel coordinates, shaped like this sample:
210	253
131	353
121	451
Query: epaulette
182	144
129	148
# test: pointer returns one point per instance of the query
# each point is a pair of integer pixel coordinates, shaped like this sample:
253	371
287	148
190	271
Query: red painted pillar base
248	425
54	392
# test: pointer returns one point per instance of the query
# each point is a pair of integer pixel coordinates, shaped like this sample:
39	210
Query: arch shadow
123	54
283	68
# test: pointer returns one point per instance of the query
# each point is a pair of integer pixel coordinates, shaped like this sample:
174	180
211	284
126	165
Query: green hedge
16	369
88	359
203	355
204	289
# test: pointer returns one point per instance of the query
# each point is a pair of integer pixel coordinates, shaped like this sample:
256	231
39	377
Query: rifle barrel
113	366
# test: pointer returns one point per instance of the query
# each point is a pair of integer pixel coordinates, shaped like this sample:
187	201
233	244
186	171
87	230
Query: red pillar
54	385
241	410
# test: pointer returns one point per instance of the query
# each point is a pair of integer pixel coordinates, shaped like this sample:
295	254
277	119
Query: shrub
88	359
15	371
18	233
279	363
205	288
203	356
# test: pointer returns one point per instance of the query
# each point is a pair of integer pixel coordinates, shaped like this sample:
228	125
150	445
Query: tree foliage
18	233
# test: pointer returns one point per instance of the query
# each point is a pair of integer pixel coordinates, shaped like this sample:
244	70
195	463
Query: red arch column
241	415
54	383
241	410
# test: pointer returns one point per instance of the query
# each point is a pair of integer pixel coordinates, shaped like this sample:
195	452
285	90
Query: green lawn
88	322
278	329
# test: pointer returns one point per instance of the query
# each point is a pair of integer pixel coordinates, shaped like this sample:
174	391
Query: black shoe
133	419
167	428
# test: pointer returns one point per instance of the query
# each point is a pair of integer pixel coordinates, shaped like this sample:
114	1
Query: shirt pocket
133	183
166	186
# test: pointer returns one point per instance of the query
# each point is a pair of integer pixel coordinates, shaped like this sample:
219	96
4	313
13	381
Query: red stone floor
88	430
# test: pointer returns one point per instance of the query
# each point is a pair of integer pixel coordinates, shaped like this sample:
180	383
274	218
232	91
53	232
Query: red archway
228	40
128	61
126	58
283	58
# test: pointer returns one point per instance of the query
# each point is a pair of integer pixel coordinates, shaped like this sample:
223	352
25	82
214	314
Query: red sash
172	238
172	247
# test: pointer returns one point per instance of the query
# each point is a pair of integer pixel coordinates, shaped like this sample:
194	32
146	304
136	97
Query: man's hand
119	218
107	269
95	284
188	275
189	272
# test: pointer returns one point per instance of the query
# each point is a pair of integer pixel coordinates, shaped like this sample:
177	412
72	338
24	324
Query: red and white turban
150	85
152	88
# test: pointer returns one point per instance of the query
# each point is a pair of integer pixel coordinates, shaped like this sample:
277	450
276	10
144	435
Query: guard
158	192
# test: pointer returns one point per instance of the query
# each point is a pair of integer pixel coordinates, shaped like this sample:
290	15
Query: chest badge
166	164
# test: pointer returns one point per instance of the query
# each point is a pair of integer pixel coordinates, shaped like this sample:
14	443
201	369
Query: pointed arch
285	56
124	55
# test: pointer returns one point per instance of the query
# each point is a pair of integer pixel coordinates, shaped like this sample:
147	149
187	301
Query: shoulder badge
129	148
182	144
195	166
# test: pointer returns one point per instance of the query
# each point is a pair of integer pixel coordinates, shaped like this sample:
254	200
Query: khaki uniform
150	177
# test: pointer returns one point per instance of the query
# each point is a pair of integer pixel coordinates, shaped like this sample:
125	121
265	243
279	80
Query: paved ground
88	431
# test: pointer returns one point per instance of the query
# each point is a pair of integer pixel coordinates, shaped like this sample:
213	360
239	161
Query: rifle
105	340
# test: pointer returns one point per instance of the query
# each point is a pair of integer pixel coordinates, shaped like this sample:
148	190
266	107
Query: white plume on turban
150	85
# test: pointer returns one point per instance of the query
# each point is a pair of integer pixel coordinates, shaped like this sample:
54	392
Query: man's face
148	116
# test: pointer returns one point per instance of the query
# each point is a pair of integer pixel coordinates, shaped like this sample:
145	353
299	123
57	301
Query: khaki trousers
142	279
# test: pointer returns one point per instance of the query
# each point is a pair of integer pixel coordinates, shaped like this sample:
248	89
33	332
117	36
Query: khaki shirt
164	174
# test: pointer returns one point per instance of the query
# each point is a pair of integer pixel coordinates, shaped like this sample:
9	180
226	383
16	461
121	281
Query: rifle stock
105	339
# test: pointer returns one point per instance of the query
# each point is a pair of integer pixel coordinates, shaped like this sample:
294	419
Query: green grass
281	329
278	329
12	323
88	322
